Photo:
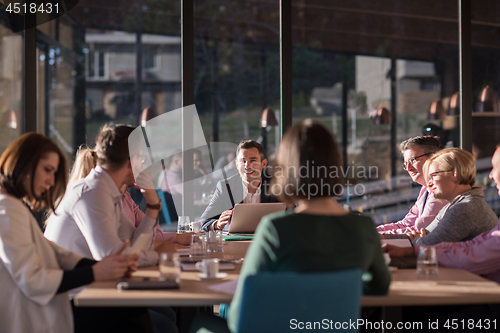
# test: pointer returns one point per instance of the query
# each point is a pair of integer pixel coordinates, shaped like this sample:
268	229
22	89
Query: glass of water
183	224
220	241
427	261
170	267
212	242
197	247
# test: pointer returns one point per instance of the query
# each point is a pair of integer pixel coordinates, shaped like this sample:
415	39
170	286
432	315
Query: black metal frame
187	78
465	73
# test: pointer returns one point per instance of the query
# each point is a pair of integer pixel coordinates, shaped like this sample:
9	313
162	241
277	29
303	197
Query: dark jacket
221	201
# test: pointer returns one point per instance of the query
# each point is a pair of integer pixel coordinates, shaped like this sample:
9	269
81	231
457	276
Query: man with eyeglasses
415	152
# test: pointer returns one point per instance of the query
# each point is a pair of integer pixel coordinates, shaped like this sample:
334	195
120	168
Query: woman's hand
116	265
147	188
415	234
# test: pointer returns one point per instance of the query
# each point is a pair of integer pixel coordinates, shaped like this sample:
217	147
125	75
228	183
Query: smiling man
415	152
248	186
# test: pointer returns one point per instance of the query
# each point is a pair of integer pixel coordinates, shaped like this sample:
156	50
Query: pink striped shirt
419	216
136	216
480	255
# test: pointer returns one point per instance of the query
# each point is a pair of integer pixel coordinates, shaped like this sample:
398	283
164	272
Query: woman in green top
318	235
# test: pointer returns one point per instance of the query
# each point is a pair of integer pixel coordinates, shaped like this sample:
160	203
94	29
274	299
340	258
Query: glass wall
374	72
485	92
11	85
236	62
370	72
236	77
111	76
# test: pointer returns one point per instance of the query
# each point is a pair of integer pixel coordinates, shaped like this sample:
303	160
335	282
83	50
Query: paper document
397	242
228	287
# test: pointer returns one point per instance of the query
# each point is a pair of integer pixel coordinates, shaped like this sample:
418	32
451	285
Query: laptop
246	217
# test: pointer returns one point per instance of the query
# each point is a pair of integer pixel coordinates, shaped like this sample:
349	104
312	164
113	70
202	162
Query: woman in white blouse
36	273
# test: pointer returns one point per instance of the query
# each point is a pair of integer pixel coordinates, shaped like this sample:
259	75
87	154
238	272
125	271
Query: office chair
164	207
277	302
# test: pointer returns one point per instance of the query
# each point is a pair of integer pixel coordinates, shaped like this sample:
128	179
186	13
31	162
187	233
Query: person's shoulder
235	179
8	201
469	201
95	181
474	194
357	221
279	216
12	206
356	216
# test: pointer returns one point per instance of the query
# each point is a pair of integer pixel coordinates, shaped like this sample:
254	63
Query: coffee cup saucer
204	277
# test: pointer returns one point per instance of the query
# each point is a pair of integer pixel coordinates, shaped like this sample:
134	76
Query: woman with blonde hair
36	273
450	174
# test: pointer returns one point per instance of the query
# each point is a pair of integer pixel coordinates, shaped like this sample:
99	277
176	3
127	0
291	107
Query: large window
485	92
370	72
374	72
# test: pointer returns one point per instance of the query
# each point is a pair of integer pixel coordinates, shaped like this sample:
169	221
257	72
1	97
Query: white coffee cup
210	267
196	226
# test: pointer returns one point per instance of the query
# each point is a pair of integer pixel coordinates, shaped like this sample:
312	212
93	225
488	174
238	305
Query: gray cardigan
467	216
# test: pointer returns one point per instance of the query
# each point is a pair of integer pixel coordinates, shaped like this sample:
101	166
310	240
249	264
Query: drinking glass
197	247
427	261
212	242
220	241
183	224
170	267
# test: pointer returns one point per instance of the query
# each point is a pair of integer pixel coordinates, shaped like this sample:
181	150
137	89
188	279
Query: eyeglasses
434	174
412	161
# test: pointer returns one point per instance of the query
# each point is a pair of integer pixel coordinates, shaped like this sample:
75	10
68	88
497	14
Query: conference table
449	287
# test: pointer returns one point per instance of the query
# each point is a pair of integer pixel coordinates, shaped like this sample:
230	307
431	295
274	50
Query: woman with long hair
36	273
318	235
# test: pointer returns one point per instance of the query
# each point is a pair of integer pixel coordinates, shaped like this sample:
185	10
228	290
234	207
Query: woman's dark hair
308	164
112	146
18	164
